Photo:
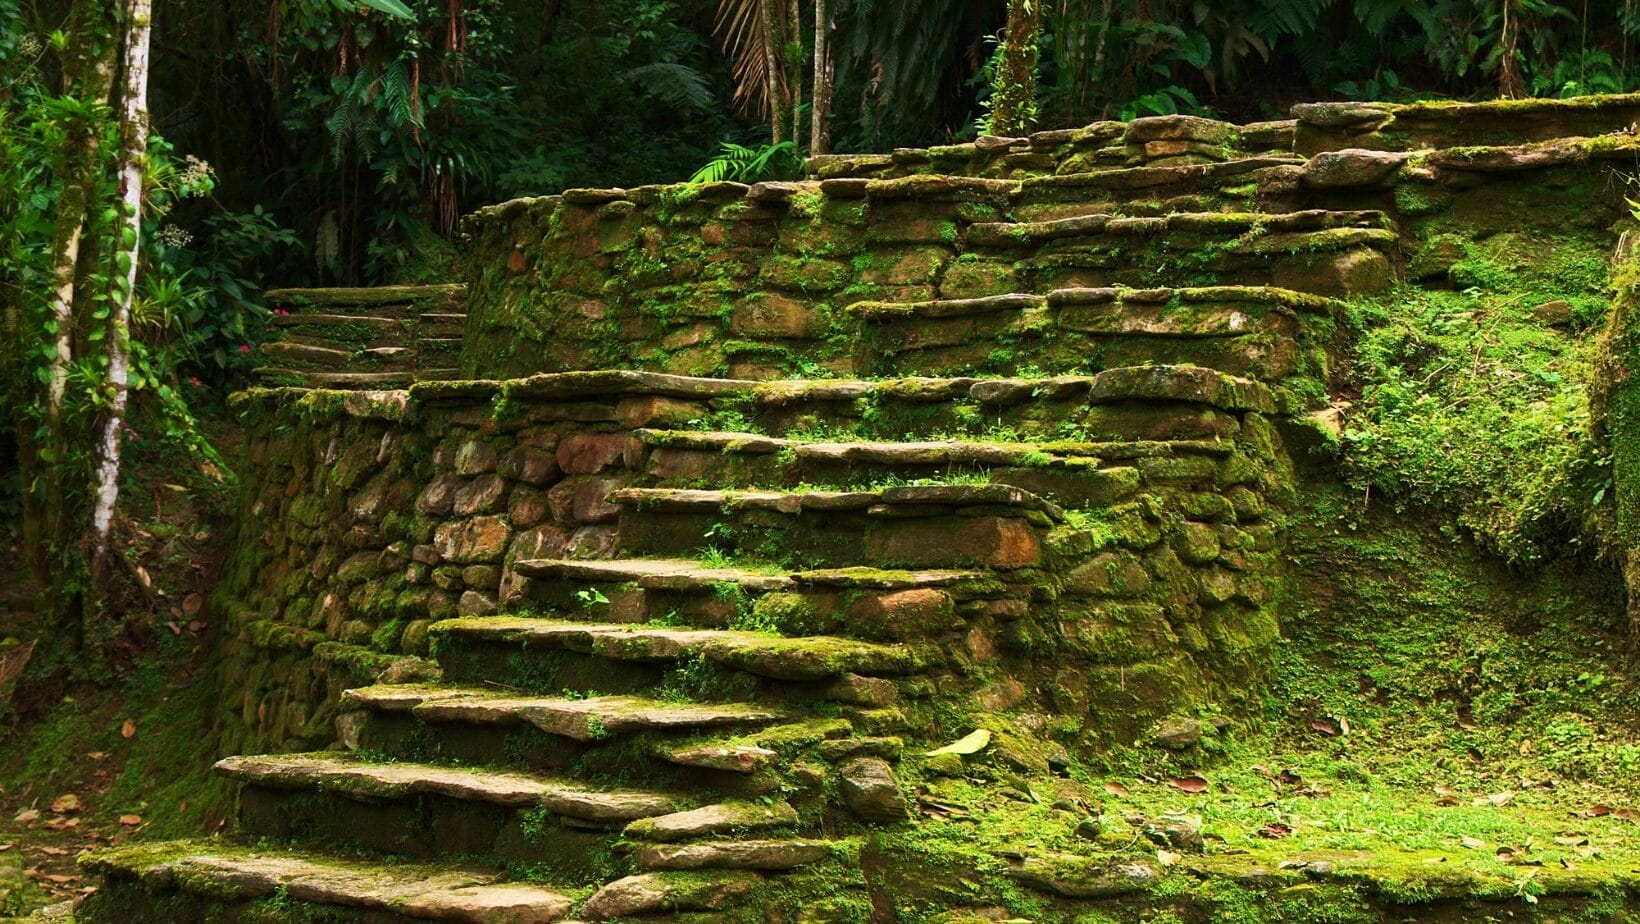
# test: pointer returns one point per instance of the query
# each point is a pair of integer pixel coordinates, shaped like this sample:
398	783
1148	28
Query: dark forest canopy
368	134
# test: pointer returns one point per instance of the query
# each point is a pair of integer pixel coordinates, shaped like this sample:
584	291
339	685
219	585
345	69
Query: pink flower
280	312
194	381
244	348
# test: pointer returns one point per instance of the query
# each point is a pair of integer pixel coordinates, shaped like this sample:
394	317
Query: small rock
1351	167
634	895
1177	734
1557	313
949	765
1176	835
870	790
1089	829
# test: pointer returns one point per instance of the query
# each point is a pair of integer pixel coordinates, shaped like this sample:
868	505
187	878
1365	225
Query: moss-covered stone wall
368	515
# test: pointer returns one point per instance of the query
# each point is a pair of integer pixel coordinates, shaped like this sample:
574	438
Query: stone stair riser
568	851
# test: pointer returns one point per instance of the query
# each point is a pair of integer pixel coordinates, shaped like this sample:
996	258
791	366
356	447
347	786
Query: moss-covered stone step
1319	251
1415	126
766	854
587	719
1158	140
1079	474
978	525
342	774
1040	407
635	590
1232	185
802	659
1263	332
712	820
405	301
349	381
213	880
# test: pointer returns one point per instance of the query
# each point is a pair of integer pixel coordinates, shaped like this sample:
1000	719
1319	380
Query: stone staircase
691	634
385	337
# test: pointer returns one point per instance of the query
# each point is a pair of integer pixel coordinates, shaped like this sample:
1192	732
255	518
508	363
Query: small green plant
747	165
590	597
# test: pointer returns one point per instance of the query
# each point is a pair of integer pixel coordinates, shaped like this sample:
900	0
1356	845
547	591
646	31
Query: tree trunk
133	152
90	78
1013	94
793	60
820	96
774	62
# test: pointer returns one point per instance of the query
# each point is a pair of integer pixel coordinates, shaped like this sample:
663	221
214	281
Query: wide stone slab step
800	658
213	872
708	820
935	452
1375	225
735	854
349	776
894	501
1138	301
592	719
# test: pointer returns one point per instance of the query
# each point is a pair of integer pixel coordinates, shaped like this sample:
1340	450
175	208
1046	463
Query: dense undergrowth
1473	399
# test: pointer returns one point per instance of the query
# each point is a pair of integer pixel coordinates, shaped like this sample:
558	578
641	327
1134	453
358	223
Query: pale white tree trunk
95	79
133	153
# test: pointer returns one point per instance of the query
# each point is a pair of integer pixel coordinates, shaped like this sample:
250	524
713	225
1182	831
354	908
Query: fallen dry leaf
193	603
1190	784
1117	790
54	851
129	729
97	755
131	820
1472	843
1571	840
66	804
1274	830
1167	857
1497	798
27	816
1324	728
58	878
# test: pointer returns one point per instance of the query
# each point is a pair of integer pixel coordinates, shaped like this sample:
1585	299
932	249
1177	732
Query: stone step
896	501
1266	333
1072	474
672	590
366	381
342	774
1156	140
212	880
592	719
772	854
906	526
407	301
1384	126
1231	185
1040	407
1317	251
800	659
1221	224
710	820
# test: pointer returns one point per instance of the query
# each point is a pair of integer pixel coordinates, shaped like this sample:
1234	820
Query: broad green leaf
390	7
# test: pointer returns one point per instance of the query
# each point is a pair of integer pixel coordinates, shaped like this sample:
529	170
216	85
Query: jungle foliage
340	141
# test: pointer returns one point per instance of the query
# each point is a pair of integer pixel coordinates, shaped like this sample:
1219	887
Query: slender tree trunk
820	97
774	63
1013	95
89	77
1510	84
133	153
793	59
